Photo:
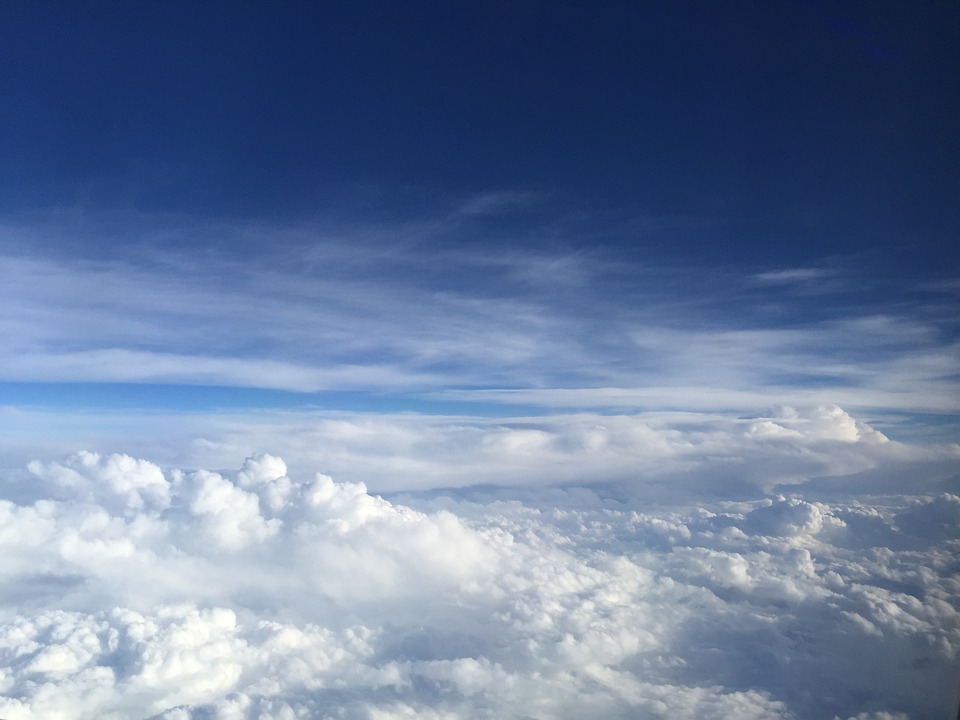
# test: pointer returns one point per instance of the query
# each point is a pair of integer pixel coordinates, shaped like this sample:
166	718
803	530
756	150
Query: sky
481	359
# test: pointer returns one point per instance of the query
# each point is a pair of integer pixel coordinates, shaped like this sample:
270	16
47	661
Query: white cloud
128	590
118	480
496	203
134	366
794	275
229	516
406	451
661	544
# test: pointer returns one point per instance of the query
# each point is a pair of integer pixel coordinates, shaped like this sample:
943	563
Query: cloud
637	494
134	590
115	482
648	453
936	519
496	203
794	275
390	308
133	366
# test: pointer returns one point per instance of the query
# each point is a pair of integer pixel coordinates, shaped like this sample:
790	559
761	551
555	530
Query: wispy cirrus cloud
794	275
392	307
499	202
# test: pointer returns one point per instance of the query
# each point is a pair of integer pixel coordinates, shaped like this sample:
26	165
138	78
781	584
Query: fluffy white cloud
118	482
133	591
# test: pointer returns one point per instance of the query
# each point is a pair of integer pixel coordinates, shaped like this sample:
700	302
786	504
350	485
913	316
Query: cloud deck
134	591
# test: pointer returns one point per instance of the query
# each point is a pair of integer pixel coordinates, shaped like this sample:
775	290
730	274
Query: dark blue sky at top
782	130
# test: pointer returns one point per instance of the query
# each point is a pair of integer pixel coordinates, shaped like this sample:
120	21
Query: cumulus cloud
133	590
118	481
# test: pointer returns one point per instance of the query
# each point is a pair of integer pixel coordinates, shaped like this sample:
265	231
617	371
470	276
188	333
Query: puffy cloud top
128	590
131	591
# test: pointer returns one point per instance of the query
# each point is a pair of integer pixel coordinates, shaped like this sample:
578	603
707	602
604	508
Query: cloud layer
709	453
130	590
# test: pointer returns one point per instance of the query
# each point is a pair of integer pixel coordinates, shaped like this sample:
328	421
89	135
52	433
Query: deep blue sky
680	205
788	127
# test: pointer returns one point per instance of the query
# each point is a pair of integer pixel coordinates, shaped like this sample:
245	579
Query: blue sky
670	207
770	121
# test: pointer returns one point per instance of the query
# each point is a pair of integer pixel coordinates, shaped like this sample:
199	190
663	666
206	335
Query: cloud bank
658	453
132	590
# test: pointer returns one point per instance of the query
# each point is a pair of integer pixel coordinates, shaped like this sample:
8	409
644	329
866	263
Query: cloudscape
481	360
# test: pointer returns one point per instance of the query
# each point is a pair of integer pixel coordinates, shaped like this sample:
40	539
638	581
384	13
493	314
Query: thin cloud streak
342	307
794	275
130	366
707	398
